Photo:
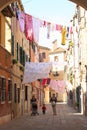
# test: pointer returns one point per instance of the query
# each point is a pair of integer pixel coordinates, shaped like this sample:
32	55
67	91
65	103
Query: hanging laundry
58	85
36	28
48	80
63	36
48	29
53	27
44	24
58	27
53	84
44	81
36	70
21	18
17	11
28	27
67	32
71	31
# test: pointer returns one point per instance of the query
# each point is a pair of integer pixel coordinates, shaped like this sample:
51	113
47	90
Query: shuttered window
9	90
15	95
18	95
12	45
17	51
26	93
3	89
21	55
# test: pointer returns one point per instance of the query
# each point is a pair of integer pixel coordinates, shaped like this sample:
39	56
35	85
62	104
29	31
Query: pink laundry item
21	18
29	27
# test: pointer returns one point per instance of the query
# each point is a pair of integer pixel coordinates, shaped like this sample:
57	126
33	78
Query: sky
54	11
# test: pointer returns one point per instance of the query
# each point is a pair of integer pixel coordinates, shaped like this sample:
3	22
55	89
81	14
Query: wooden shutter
12	44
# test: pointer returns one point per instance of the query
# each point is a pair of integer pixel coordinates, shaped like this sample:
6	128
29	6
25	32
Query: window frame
9	90
3	90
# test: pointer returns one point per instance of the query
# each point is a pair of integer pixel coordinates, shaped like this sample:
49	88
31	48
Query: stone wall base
5	119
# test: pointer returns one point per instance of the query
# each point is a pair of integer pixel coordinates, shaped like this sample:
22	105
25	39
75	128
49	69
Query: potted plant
14	61
21	68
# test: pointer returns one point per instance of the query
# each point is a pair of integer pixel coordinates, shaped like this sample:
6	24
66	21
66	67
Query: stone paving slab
66	119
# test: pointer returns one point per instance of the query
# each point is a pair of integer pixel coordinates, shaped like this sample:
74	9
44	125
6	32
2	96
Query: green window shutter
12	45
15	92
21	55
17	51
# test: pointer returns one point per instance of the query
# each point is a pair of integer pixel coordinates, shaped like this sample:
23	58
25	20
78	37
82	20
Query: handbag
53	103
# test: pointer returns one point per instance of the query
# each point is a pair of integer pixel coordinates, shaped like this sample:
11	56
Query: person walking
53	101
34	106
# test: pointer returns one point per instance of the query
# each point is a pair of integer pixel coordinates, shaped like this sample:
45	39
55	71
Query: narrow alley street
66	119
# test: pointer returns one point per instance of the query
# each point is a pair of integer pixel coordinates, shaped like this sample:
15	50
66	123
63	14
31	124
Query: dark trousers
44	111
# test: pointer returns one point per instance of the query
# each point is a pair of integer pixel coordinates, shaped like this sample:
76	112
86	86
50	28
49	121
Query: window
43	55
17	51
9	90
2	89
18	95
21	55
56	58
0	86
0	29
15	97
26	93
12	45
33	47
40	57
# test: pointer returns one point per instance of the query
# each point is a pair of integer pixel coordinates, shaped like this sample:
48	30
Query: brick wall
5	68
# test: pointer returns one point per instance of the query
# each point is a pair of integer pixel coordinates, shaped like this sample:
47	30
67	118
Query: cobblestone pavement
66	119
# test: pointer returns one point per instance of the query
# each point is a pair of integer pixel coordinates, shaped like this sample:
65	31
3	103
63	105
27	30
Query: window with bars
2	89
9	90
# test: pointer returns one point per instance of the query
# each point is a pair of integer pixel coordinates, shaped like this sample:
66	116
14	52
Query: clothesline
31	27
